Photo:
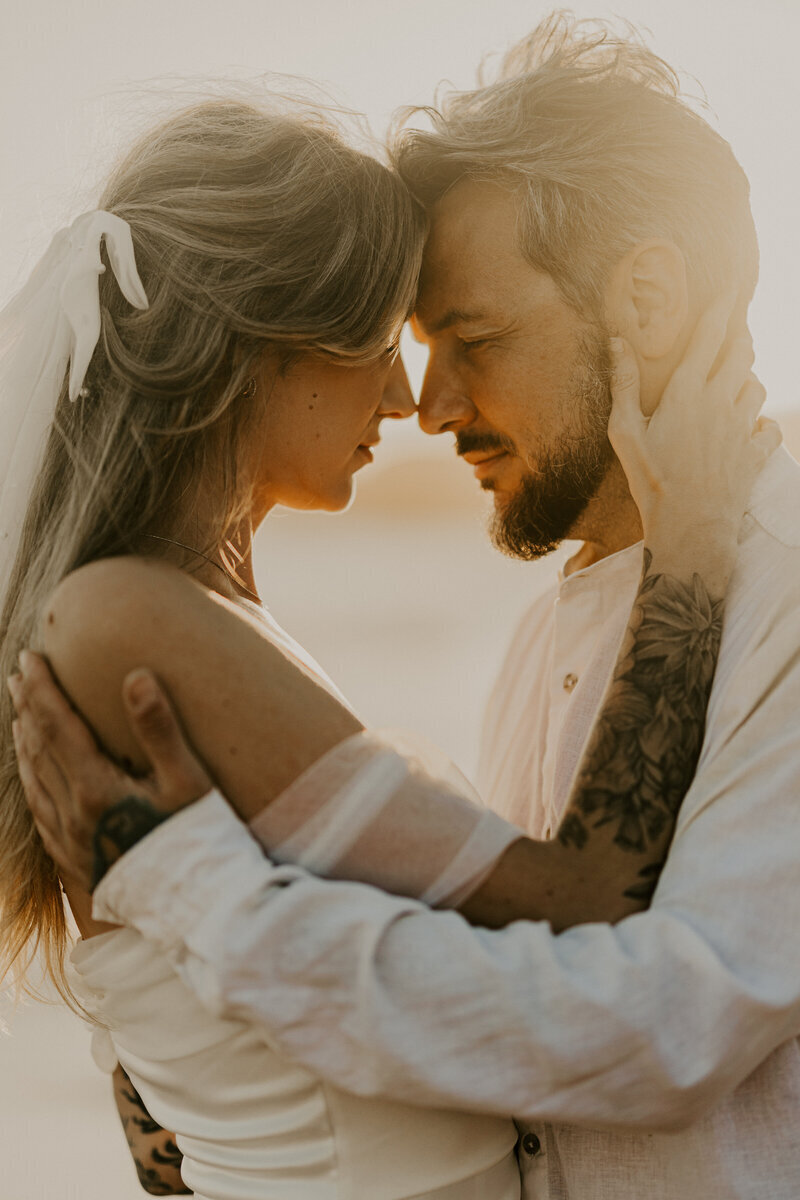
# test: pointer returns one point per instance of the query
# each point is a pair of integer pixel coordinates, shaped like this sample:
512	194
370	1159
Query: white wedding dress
251	1124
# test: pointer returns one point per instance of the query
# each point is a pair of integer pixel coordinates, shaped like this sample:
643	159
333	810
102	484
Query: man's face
514	372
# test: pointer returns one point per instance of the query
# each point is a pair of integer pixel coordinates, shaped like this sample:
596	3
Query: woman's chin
345	498
335	501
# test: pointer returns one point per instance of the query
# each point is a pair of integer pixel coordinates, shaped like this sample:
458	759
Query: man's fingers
40	803
41	763
67	737
180	776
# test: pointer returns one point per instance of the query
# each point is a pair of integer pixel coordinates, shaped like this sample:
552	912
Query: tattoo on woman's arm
119	829
644	750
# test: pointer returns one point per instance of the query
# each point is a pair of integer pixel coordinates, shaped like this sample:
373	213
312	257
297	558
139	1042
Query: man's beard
548	502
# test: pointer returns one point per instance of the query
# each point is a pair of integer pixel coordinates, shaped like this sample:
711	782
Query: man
574	198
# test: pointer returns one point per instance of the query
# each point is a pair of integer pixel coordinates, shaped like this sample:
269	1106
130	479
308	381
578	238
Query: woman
271	269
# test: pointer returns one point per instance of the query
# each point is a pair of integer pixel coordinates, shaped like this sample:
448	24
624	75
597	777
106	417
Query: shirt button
531	1144
570	682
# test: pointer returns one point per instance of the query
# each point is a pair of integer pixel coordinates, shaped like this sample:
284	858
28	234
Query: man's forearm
381	996
646	1024
155	1155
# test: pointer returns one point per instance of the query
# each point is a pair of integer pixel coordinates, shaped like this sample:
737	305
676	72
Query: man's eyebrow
453	316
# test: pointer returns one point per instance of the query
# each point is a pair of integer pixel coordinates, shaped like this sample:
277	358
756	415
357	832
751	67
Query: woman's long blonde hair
253	229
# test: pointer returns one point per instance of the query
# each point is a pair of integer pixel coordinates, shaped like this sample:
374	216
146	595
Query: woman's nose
397	400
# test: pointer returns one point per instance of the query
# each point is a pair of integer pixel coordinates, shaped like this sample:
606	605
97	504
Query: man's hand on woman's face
88	811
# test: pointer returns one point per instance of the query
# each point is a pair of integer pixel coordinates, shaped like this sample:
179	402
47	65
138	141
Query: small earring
249	389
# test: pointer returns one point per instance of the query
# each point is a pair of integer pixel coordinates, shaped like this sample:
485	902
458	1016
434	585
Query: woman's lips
365	454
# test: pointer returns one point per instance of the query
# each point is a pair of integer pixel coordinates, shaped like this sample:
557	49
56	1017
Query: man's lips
483	462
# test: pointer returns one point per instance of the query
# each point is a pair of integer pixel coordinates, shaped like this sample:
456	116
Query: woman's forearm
638	764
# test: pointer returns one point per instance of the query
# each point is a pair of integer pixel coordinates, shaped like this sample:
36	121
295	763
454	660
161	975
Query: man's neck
609	523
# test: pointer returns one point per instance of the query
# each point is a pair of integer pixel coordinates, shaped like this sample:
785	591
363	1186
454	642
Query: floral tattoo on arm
644	750
119	829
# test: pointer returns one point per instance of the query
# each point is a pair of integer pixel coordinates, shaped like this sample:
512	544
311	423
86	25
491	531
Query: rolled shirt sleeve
642	1025
646	1024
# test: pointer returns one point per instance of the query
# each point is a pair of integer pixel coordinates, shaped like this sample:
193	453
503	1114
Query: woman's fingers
767	435
735	369
180	776
627	419
709	336
750	400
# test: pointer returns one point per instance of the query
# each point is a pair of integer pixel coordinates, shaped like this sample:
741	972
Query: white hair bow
53	321
80	293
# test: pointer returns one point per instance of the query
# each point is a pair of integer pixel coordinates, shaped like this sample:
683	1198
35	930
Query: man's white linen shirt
657	1058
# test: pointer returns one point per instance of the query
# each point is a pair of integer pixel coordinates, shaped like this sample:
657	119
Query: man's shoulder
761	636
774	509
765	590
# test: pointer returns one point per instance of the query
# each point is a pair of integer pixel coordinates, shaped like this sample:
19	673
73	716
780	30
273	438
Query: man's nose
397	399
443	406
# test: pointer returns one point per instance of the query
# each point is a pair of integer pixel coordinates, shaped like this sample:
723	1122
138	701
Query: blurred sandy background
402	599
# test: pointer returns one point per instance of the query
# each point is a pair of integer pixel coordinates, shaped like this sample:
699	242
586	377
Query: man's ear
647	300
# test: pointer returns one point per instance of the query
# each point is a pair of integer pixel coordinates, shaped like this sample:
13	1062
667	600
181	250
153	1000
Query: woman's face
320	422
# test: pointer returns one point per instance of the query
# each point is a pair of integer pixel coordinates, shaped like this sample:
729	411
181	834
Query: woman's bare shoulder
255	717
120	606
98	595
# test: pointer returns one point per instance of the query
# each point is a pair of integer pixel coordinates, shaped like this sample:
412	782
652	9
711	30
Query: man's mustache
467	443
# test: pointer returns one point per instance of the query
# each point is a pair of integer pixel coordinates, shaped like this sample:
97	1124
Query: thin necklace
228	574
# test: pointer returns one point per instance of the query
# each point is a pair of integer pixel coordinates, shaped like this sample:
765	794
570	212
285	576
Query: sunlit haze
76	80
402	599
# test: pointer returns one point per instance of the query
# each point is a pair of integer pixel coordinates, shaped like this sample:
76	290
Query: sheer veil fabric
359	813
52	324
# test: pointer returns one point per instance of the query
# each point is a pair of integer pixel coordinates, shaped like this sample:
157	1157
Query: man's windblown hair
591	130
